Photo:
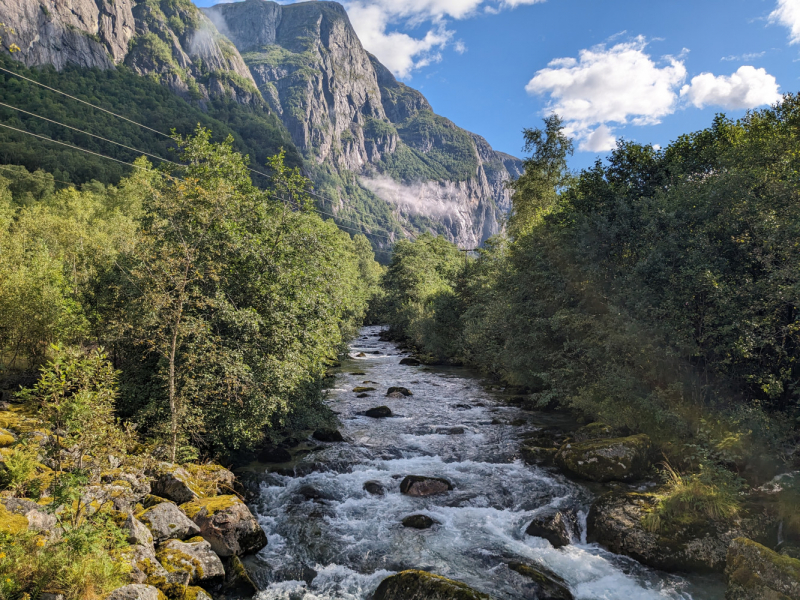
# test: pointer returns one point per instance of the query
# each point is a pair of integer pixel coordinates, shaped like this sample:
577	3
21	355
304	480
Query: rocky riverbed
424	489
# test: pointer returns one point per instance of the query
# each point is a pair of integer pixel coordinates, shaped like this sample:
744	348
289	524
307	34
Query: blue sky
646	71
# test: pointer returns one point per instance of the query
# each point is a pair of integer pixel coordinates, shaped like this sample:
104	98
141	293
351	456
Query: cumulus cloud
787	13
748	87
606	87
621	84
377	23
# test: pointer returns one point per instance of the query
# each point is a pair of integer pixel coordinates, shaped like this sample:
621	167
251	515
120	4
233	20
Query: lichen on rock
614	459
754	572
421	585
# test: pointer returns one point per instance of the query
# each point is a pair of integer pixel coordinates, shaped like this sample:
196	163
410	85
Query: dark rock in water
370	382
357	373
308	574
401	390
309	492
418	522
418	485
377	352
553	526
421	585
360	388
411	362
496	422
754	572
395	395
616	459
363	395
328	435
547	585
374	487
379	412
462	406
238	582
274	455
361	355
450	431
291	442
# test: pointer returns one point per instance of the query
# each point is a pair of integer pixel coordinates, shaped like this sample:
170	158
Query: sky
642	70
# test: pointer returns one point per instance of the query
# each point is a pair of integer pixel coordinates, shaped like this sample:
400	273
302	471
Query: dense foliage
656	291
221	303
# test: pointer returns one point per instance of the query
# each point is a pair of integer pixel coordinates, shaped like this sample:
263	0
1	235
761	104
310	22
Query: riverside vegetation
654	295
180	316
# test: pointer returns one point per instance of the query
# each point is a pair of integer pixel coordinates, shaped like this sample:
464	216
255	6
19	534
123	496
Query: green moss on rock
615	459
421	585
754	572
212	505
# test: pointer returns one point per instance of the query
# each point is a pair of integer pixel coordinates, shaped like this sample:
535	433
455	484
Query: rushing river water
329	539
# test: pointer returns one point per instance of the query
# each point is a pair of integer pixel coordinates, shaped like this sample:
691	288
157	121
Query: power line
90	134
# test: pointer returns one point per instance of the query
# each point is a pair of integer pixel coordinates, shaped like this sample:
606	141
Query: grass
712	493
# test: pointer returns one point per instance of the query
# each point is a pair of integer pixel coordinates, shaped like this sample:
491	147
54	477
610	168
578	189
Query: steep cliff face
346	110
168	39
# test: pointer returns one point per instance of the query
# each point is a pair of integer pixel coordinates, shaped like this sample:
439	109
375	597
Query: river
329	539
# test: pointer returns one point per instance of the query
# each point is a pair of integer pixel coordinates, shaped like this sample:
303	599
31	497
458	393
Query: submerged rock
274	455
418	485
395	395
374	487
547	585
451	431
363	396
227	524
555	527
754	572
328	435
400	390
360	389
418	522
615	459
411	362
166	521
421	585
534	455
379	412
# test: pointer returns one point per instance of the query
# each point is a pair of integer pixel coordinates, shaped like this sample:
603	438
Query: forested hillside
655	292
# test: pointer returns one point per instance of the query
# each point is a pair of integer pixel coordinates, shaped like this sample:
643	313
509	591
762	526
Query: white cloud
748	56
460	47
621	84
376	23
748	87
787	13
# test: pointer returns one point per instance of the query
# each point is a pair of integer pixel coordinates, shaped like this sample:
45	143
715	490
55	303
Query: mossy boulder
594	431
166	521
421	585
536	455
137	532
6	438
18	514
546	584
11	522
227	524
614	459
616	520
195	560
754	572
145	567
361	389
136	591
174	483
238	582
399	390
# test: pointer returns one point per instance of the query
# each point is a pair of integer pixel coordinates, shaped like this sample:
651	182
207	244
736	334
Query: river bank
329	537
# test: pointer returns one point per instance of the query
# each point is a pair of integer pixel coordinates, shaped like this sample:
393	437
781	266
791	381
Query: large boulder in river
421	585
547	585
615	459
688	544
227	524
379	412
418	485
754	572
166	521
554	526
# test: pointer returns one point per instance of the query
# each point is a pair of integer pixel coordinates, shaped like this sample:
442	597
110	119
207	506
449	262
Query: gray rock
553	526
754	572
144	564
616	459
173	483
418	485
379	412
421	585
227	524
166	521
136	591
195	559
38	519
137	532
546	584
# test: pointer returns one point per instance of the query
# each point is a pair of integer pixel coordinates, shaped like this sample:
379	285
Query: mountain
382	161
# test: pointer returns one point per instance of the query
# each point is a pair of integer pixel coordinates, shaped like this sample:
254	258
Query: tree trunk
173	408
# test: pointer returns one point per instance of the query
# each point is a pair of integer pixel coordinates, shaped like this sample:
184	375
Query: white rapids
340	543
